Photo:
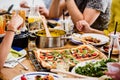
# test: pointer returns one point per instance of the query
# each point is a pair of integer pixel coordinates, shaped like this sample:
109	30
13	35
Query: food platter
92	68
89	38
32	75
102	38
83	64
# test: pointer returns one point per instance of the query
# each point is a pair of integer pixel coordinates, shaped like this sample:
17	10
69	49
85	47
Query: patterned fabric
102	5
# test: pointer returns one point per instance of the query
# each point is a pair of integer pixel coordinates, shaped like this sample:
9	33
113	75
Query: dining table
10	73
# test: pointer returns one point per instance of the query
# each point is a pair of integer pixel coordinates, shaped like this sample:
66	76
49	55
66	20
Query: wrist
67	0
9	27
10	30
91	30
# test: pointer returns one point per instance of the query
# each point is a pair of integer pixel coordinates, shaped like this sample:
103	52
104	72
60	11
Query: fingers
79	26
110	74
15	22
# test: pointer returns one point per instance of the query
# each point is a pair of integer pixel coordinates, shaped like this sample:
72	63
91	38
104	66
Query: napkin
12	61
12	64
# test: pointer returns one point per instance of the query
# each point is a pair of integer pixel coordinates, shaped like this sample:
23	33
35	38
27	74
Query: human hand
44	11
24	4
82	25
114	74
15	22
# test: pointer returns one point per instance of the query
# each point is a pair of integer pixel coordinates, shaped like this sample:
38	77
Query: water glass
67	25
112	68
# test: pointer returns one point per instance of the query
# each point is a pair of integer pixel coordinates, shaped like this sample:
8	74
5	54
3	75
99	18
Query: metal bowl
51	42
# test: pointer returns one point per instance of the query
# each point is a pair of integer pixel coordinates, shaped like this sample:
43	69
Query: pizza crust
51	63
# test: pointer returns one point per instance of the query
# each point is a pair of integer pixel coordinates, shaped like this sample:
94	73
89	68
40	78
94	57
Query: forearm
74	12
96	31
54	9
4	50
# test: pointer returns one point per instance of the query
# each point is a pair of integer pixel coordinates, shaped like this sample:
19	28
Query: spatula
46	28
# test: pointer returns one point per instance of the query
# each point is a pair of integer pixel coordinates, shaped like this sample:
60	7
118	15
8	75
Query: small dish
2	35
105	49
32	75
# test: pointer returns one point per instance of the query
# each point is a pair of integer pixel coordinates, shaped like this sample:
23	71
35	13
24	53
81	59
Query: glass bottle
34	19
114	42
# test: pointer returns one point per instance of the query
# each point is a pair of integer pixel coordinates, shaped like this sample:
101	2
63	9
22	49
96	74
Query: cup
2	25
31	42
112	67
67	25
22	13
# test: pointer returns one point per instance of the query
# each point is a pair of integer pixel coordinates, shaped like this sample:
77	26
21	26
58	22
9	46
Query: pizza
91	40
84	52
49	58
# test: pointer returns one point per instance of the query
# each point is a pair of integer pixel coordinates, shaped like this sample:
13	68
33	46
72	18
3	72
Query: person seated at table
42	8
6	43
83	26
114	75
95	12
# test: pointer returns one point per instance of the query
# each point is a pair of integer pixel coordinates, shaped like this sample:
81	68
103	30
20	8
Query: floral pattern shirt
103	6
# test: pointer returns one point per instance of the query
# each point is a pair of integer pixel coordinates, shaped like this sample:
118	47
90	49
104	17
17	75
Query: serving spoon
8	11
45	26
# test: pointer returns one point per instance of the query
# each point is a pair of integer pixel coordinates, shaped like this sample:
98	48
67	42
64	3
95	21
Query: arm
56	8
85	27
44	11
24	4
6	43
76	15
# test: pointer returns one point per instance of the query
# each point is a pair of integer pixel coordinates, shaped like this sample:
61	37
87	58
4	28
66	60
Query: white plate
31	75
10	57
103	39
83	64
2	35
75	38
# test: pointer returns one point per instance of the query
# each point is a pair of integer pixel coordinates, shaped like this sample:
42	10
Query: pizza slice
45	59
84	52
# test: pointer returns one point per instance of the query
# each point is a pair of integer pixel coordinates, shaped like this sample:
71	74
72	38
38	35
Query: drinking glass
114	46
2	25
112	68
22	13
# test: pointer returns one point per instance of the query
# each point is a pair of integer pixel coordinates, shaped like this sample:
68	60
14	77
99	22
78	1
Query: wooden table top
10	73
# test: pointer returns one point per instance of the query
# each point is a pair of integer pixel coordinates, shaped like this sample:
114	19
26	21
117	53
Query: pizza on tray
49	58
